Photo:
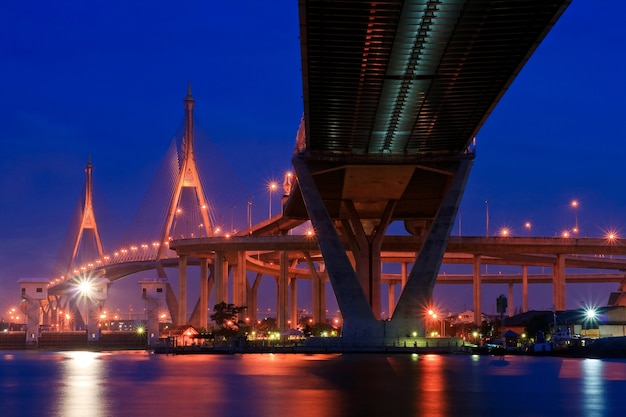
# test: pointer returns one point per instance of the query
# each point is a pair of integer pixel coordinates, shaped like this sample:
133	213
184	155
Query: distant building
467	317
605	322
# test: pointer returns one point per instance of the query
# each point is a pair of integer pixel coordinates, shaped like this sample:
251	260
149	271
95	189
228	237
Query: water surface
72	384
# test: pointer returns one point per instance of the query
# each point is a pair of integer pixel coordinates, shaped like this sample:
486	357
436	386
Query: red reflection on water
432	385
282	389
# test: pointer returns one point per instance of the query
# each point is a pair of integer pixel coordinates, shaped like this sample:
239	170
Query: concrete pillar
524	289
403	273
182	290
253	298
322	298
293	285
239	280
283	301
477	278
317	288
358	319
409	312
220	266
391	298
558	280
510	301
204	294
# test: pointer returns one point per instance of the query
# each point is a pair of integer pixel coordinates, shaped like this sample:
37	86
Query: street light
433	315
486	217
528	225
272	186
574	205
250	213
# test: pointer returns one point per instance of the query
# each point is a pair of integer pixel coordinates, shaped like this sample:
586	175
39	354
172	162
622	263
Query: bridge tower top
188	177
87	221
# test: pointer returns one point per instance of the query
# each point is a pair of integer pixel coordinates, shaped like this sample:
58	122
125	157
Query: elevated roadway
394	95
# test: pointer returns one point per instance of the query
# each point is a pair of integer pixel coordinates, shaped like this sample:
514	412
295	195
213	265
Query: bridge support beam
391	298
524	288
239	280
558	281
204	294
477	285
511	301
253	298
182	291
319	290
417	294
220	266
293	287
358	321
283	299
366	249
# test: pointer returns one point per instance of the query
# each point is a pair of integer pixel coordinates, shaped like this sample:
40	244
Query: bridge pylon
87	222
188	177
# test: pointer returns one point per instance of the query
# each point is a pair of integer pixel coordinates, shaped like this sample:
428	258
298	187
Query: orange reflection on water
281	388
432	386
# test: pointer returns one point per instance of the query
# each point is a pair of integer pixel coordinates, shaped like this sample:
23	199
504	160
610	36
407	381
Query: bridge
394	94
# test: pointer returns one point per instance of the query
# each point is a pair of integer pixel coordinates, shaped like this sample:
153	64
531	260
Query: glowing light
504	232
611	236
84	287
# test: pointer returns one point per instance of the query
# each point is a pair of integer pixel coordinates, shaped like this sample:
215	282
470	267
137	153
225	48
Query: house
182	335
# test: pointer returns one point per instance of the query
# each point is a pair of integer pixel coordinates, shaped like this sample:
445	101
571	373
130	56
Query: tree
226	316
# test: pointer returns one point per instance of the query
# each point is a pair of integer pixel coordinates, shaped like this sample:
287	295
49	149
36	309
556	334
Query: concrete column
283	300
524	289
317	288
477	290
239	280
409	312
220	266
358	319
204	293
253	297
182	290
558	280
293	285
391	298
510	302
403	273
322	298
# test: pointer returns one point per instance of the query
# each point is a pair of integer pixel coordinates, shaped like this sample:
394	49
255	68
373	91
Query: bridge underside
394	94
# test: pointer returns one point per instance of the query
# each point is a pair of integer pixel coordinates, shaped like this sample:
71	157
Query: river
137	383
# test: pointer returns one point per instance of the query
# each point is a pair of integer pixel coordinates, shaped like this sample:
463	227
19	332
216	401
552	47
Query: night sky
106	80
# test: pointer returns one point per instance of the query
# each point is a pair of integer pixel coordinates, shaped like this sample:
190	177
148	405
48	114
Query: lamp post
528	225
250	213
574	205
434	316
486	217
272	186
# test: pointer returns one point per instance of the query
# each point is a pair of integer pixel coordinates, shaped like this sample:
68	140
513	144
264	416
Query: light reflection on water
81	390
136	384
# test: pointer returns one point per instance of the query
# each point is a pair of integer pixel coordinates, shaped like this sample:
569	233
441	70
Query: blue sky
107	79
